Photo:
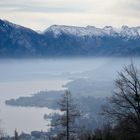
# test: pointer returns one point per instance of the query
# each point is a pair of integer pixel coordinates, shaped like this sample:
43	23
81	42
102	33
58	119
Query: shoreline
33	122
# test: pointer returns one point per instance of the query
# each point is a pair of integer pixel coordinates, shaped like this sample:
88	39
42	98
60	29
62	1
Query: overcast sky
39	14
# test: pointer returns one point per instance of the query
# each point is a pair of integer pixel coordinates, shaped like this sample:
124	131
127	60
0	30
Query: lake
23	77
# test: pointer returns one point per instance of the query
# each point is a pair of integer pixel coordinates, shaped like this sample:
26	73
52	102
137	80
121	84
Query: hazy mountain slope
16	40
94	41
60	40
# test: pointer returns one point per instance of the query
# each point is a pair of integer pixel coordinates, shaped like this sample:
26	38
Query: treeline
121	112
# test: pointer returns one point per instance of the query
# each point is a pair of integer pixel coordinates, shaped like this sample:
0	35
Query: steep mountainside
18	41
60	40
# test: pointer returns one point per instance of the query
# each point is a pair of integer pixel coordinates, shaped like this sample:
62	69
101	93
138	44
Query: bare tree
16	137
67	119
124	105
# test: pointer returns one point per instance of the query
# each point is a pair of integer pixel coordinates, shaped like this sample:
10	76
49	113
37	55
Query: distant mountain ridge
63	41
125	31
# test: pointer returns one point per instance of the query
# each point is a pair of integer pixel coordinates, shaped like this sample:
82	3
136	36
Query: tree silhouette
66	121
124	105
16	135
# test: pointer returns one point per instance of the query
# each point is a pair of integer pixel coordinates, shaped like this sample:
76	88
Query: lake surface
25	77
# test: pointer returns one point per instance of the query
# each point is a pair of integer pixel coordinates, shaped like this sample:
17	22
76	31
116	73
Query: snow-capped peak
73	30
130	32
124	31
5	22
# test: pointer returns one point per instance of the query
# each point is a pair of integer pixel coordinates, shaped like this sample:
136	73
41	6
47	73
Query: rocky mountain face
61	41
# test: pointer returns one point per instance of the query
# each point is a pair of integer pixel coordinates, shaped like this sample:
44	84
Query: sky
40	14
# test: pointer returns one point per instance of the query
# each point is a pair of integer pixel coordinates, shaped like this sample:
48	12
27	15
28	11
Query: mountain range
68	41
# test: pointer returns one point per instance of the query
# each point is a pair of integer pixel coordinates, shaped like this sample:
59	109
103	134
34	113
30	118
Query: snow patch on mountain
124	31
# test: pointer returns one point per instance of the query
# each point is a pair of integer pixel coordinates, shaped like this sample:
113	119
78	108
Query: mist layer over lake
25	77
